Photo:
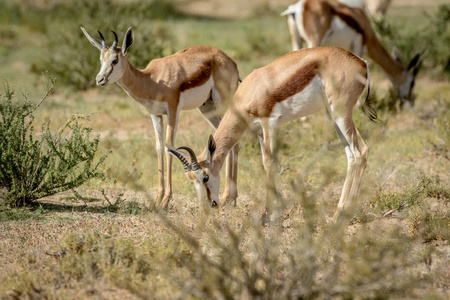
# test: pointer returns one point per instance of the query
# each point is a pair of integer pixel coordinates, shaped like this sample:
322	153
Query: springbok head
201	173
404	90
111	58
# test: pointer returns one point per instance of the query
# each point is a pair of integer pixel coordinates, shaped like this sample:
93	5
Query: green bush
74	62
434	36
385	203
34	165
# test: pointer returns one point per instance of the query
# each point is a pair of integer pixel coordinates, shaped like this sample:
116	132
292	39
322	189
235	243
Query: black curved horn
186	165
194	162
114	45
104	45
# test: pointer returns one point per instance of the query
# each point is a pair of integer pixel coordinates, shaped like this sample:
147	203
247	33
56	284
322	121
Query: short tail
367	107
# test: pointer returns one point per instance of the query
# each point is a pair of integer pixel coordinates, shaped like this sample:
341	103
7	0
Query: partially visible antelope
201	77
295	85
376	8
332	23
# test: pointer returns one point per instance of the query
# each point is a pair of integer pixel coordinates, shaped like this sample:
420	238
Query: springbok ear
211	149
414	62
396	55
94	41
127	41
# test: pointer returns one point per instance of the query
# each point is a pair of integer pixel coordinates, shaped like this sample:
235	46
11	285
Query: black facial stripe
208	193
112	69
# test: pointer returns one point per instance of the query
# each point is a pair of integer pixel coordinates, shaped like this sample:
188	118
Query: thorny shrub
34	165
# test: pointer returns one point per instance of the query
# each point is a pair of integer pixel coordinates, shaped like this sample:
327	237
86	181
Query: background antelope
375	8
332	23
293	86
201	77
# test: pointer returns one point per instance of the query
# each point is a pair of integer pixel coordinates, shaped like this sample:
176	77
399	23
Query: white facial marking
111	68
206	190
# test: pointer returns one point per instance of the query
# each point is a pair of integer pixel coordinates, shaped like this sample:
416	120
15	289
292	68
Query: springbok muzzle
193	166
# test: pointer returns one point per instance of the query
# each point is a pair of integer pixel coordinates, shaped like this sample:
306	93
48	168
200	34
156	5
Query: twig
49	90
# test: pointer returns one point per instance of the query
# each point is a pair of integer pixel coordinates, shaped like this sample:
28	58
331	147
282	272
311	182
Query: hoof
165	202
158	201
229	201
265	218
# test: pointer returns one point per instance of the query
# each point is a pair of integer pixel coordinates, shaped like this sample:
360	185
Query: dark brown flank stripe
197	79
351	23
294	84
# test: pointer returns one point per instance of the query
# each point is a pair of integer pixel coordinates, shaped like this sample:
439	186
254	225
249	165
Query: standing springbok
332	23
295	85
201	77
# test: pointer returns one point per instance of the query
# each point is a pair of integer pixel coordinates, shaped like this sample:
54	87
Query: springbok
332	23
295	85
201	77
376	8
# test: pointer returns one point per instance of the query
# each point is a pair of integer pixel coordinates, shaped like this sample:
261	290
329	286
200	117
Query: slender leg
159	136
270	162
316	31
172	120
296	39
357	154
260	135
233	180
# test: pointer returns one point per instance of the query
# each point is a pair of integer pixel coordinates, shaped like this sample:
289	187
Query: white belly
305	103
195	97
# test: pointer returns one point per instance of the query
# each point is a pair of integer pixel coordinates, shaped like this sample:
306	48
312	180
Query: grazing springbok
295	85
332	23
201	77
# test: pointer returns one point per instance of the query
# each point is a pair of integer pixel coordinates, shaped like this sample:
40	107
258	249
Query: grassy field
107	241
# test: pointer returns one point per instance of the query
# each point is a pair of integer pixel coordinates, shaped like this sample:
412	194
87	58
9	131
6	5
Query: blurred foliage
433	36
441	125
227	260
430	224
67	54
264	10
384	203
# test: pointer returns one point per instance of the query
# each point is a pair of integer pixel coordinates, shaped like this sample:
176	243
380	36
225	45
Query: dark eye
114	62
205	179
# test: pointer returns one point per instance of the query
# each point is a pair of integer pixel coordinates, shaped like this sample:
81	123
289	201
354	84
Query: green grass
20	214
